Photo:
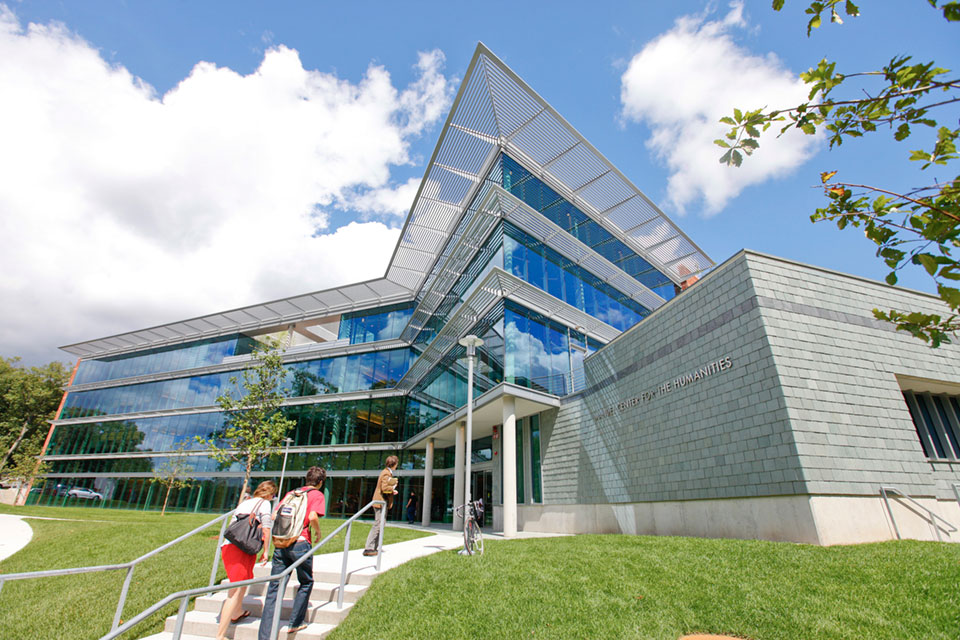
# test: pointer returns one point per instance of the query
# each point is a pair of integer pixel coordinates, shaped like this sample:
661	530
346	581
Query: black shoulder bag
246	532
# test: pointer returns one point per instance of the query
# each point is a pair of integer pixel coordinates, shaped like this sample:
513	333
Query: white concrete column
427	498
527	467
509	441
459	452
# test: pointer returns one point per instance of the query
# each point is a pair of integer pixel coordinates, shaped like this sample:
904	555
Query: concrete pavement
14	535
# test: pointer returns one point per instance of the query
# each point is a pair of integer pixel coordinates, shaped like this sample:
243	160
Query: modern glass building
521	233
763	401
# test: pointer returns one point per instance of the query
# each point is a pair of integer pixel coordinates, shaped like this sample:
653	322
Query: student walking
297	522
385	490
238	563
411	508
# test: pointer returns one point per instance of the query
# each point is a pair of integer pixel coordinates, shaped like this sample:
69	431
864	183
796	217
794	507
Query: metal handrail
129	566
933	516
283	577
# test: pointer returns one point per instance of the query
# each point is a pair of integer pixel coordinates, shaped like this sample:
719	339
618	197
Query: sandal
240	617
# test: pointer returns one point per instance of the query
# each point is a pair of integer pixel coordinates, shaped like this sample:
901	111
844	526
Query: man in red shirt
283	558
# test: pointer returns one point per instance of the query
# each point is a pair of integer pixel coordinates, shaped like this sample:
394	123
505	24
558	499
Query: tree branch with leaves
253	424
919	226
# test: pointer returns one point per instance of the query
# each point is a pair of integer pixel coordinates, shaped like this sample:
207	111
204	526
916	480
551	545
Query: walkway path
14	535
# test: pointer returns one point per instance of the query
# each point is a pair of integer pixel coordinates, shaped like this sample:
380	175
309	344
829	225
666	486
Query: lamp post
283	470
471	342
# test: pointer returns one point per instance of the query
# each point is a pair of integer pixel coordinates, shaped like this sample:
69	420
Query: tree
29	398
174	473
919	226
25	465
253	425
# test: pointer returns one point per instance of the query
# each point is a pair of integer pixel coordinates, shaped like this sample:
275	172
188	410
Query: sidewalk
14	535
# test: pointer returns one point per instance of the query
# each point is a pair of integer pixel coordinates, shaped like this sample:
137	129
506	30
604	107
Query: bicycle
472	536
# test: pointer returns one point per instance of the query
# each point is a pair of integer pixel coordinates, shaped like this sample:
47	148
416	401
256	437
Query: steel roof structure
493	112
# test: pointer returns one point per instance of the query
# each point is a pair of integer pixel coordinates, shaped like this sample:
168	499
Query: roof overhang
487	413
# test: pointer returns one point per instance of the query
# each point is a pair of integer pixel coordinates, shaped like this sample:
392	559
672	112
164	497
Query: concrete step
317	611
204	624
359	575
321	592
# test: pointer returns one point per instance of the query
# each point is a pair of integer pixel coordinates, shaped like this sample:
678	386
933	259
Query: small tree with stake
174	474
253	425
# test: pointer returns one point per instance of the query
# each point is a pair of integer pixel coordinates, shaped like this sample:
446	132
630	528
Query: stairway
322	612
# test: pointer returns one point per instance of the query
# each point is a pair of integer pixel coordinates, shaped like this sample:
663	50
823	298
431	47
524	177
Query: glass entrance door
481	487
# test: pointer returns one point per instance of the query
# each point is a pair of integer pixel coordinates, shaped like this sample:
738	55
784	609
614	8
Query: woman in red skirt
239	565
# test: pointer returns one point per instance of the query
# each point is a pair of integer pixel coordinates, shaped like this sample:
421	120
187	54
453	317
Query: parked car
84	494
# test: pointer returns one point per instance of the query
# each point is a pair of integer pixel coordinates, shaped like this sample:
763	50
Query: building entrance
481	488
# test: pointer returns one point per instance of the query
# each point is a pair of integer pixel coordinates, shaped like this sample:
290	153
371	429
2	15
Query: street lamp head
471	342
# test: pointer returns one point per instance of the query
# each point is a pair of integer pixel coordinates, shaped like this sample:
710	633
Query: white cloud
121	208
683	82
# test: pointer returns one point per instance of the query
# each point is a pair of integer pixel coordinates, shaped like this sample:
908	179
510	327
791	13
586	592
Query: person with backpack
253	519
296	522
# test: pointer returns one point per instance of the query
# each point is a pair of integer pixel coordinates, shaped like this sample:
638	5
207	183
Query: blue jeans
283	558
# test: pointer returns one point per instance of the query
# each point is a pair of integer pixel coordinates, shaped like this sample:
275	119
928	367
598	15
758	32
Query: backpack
291	516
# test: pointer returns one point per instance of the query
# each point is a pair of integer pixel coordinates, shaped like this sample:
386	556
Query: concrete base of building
821	520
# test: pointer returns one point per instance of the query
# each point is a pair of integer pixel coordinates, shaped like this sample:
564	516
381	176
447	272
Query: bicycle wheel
473	538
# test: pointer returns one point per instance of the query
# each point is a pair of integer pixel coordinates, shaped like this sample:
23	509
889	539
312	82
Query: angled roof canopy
494	111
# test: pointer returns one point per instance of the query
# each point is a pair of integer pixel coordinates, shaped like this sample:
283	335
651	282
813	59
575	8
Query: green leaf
949	295
738	115
903	132
777	5
737	158
727	120
721	143
808	129
891	278
725	158
928	261
852	9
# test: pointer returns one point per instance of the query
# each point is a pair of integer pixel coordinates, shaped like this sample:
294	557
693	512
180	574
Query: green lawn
82	607
661	588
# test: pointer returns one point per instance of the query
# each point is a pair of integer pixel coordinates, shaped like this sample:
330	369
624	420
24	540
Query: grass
82	607
662	588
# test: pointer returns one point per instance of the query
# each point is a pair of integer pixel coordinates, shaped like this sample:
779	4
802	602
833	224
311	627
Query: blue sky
166	160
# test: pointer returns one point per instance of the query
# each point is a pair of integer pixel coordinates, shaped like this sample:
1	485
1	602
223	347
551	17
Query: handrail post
883	492
383	525
216	553
123	597
181	614
343	567
278	605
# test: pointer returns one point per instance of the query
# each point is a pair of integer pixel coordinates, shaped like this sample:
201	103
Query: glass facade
370	420
544	268
370	325
523	184
174	358
355	372
116	452
540	353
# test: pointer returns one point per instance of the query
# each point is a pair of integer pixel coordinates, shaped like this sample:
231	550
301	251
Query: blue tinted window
182	356
546	269
356	372
537	195
370	325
